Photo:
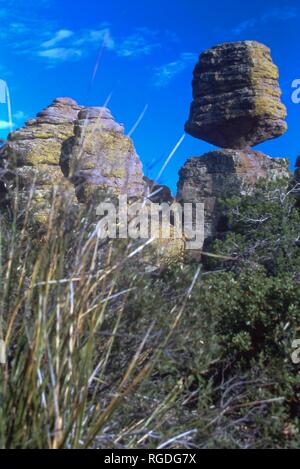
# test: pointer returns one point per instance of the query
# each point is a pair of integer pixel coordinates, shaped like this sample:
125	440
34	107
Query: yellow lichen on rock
101	159
32	155
236	96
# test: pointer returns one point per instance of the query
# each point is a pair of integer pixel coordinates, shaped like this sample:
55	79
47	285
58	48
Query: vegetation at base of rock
221	172
103	354
137	344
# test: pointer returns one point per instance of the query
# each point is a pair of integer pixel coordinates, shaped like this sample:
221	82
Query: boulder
236	96
223	173
31	157
165	253
99	159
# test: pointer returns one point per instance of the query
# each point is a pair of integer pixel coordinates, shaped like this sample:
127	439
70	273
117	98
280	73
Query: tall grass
62	308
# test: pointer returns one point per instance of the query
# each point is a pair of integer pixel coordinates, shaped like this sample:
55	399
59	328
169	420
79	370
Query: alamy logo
296	93
296	353
2	352
148	220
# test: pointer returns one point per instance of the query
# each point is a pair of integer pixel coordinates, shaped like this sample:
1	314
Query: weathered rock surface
32	159
236	96
39	142
157	193
68	148
223	173
99	158
164	253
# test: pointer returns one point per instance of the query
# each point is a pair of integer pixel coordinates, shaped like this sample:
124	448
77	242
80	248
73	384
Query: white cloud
285	13
18	28
244	26
135	46
61	45
96	37
59	36
4	125
275	14
20	115
75	45
164	74
61	54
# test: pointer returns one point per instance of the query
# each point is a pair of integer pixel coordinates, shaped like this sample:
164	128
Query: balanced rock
32	159
100	159
236	96
223	173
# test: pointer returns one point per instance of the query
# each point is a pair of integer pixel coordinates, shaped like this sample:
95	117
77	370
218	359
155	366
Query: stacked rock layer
236	96
222	173
100	159
32	157
81	155
236	104
66	150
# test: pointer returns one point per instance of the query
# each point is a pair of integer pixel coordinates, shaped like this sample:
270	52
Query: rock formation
223	173
100	159
83	151
71	149
236	105
157	193
236	96
32	159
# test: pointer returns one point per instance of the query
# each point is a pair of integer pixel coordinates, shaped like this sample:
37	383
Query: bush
103	354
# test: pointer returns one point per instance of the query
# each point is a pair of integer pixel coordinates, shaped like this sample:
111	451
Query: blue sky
49	48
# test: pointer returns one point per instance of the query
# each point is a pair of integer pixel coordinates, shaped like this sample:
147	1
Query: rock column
236	104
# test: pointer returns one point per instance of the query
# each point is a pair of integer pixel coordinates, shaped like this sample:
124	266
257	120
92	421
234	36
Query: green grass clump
103	352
